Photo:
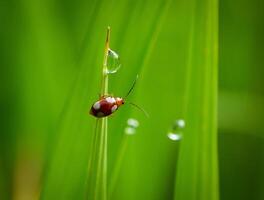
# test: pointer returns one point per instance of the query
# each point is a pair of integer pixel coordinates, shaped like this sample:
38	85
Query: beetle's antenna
130	90
132	87
141	109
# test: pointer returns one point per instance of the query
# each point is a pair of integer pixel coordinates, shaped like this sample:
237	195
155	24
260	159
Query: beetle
107	105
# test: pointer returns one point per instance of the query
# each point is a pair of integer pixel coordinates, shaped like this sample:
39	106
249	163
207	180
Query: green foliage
52	53
197	173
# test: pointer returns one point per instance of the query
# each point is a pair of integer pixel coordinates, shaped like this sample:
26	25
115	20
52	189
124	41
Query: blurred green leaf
197	173
51	56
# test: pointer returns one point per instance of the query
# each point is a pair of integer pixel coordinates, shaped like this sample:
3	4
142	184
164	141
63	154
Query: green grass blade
197	173
97	174
97	168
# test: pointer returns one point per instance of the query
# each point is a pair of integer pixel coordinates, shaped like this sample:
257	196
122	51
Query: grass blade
97	175
197	174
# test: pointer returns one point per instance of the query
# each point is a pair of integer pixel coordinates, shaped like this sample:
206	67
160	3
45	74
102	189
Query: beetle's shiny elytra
106	106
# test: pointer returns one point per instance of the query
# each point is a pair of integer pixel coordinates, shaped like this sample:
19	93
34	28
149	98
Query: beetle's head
119	101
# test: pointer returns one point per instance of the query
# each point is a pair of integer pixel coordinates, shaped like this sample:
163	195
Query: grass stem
118	163
97	186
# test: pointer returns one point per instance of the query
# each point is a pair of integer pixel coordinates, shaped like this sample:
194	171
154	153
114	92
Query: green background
51	59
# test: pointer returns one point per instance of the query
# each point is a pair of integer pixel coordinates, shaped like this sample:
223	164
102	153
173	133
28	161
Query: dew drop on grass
174	136
131	127
130	131
132	122
175	132
113	62
179	124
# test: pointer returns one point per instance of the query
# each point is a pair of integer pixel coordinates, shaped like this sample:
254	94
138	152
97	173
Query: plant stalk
97	183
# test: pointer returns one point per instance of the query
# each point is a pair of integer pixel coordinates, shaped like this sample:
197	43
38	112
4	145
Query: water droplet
174	136
175	132
133	122
132	125
113	63
130	131
179	124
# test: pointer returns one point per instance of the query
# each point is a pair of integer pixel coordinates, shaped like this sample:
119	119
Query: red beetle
107	105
